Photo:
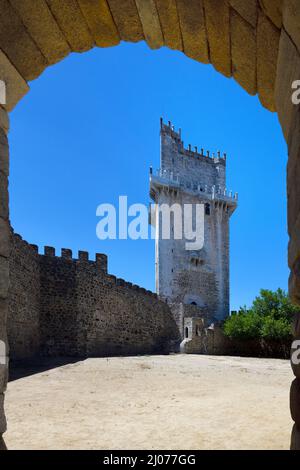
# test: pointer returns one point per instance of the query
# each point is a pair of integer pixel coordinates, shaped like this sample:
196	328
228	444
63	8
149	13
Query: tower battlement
189	176
168	129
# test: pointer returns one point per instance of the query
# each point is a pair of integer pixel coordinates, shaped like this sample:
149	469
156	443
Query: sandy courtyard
152	402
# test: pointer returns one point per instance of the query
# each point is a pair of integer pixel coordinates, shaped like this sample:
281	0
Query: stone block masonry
61	306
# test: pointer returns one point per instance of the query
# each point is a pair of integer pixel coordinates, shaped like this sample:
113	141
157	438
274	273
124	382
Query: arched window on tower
186	332
207	209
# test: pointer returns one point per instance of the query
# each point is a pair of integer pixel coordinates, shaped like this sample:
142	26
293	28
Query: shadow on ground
18	370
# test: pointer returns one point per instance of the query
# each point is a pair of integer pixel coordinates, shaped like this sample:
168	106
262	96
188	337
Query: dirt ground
152	402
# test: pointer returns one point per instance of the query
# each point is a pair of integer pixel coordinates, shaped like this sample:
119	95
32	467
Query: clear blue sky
89	130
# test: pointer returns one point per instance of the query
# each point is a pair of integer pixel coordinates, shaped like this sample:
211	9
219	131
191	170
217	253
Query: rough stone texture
295	401
273	9
43	28
16	86
72	23
217	23
150	22
2	416
168	15
100	22
267	54
2	443
4	196
4	152
248	10
199	276
4	125
4	257
295	353
24	300
18	45
291	23
288	70
4	238
296	325
192	24
64	307
4	277
243	50
289	116
127	20
295	440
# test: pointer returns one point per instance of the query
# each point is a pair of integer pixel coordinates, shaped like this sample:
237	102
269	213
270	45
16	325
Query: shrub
269	317
275	329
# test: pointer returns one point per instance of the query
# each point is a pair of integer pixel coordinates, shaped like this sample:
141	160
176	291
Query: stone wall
211	340
60	306
4	262
24	300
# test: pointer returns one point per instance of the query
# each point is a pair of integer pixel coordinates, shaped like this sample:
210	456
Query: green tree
269	317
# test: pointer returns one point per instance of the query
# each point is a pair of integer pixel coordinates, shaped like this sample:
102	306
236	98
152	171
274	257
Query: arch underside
257	42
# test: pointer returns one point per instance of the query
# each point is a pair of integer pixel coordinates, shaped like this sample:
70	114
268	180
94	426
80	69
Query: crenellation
60	306
101	262
83	256
66	253
49	251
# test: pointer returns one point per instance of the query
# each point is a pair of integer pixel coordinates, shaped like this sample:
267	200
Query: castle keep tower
197	278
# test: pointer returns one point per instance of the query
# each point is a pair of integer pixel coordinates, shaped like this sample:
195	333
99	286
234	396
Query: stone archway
257	42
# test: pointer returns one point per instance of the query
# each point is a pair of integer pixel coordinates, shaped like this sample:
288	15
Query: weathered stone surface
293	194
192	24
2	443
168	15
294	227
288	70
4	120
127	20
3	376
295	401
291	22
4	277
71	307
4	238
296	326
150	22
3	196
18	45
273	9
294	285
3	423
100	22
16	86
248	10
4	306
267	54
4	153
295	357
295	348
217	23
72	24
43	28
295	440
243	52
